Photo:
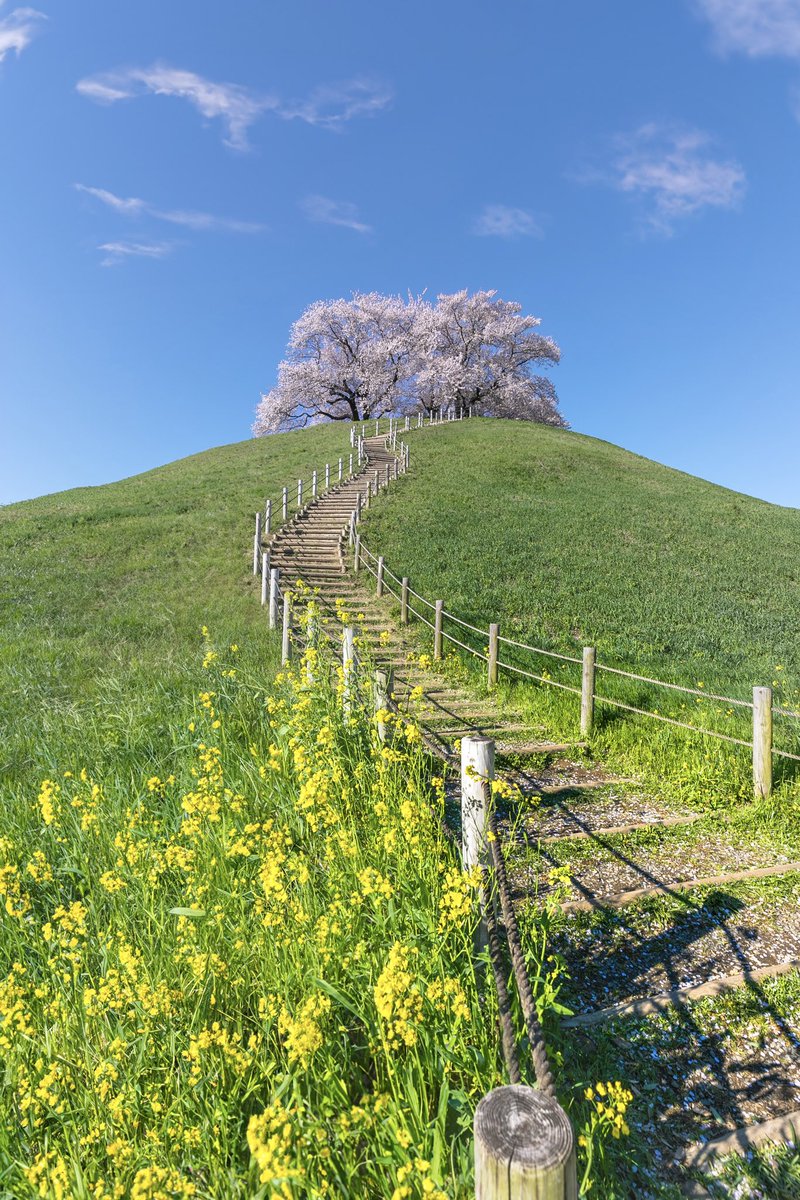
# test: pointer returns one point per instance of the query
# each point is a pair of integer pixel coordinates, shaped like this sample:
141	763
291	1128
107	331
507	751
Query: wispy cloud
188	218
674	174
499	220
332	105
756	28
237	107
334	212
119	252
18	29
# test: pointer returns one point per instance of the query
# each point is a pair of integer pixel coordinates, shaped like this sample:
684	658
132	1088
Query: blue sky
179	180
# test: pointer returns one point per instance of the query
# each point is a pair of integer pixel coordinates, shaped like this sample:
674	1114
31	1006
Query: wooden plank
699	991
614	830
781	1130
618	899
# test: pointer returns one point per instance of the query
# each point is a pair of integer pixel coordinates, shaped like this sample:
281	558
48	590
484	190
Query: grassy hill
103	592
568	541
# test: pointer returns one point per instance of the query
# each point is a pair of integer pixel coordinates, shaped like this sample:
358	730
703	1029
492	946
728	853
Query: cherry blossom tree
347	360
482	352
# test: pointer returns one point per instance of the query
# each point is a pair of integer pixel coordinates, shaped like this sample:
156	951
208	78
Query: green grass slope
103	592
568	541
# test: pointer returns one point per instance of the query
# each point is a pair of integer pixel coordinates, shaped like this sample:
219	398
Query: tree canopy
373	354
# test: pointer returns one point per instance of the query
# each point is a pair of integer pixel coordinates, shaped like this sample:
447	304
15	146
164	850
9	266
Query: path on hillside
666	906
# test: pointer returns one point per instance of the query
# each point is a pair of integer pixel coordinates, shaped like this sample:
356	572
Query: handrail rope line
449	637
676	687
538	1049
420	617
466	625
642	712
539	650
508	1040
565	687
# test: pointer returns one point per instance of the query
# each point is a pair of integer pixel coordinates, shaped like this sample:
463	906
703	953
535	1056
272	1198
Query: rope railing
761	706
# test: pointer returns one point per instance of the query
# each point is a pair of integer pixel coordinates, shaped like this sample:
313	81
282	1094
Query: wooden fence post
382	689
349	667
437	630
357	554
274	578
524	1147
311	637
268	517
285	502
388	474
286	638
404	601
340	470
762	741
264	576
350	468
352	528
494	643
477	766
587	689
381	567
394	468
257	544
358	507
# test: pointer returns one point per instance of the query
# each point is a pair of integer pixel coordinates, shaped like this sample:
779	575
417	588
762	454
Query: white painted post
264	577
408	424
350	667
377	423
299	493
394	468
340	470
312	630
352	433
285	502
268	517
257	544
437	630
382	689
420	417
327	475
388	475
358	507
404	601
351	537
357	554
274	587
286	639
350	470
494	635
406	459
379	588
762	742
367	494
314	485
477	767
524	1147
587	689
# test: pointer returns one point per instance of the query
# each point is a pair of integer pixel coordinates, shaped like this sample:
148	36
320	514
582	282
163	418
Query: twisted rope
538	1048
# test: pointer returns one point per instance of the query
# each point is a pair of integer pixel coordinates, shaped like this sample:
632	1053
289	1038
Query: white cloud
119	252
131	207
499	220
332	105
757	28
334	212
234	106
674	174
199	221
18	29
237	107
